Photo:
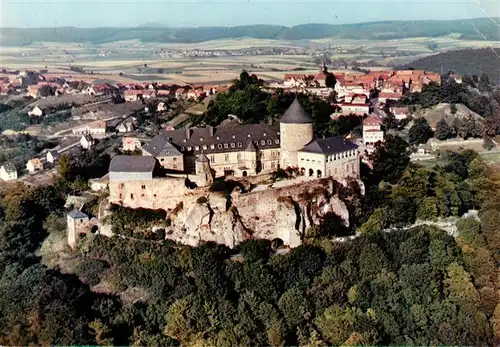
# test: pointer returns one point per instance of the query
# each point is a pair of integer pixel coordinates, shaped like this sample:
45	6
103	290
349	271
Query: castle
251	149
157	179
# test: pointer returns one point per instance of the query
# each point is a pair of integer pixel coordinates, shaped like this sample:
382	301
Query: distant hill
467	29
435	113
464	61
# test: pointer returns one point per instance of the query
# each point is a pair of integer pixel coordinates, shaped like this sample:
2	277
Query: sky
196	13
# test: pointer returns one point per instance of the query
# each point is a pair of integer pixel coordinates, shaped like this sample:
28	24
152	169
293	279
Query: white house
52	156
161	107
357	109
34	165
8	172
125	127
372	133
87	141
36	111
131	144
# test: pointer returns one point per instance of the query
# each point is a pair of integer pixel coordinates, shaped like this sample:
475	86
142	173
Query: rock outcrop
284	213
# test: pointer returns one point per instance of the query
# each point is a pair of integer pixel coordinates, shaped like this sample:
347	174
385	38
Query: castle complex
154	179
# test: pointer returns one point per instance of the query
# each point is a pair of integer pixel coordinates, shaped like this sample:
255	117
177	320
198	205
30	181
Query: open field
169	63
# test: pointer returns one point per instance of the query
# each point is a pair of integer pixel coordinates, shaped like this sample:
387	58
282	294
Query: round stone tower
296	131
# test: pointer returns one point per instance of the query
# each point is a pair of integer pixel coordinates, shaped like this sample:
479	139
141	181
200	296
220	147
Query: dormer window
201	139
219	146
263	142
184	140
182	149
218	138
249	135
234	136
190	148
233	145
197	148
269	142
226	145
205	147
212	146
277	141
239	144
264	134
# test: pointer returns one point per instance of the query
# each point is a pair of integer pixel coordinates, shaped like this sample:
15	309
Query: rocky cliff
284	213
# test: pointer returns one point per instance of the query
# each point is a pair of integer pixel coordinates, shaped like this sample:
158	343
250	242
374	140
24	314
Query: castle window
219	146
142	195
121	185
154	195
162	159
131	196
269	142
174	159
238	156
226	145
239	144
212	146
121	196
277	141
233	145
205	147
212	158
263	142
175	166
226	157
272	165
143	186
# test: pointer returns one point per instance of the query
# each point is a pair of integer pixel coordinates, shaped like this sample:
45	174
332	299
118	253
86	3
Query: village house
52	156
356	109
162	107
33	90
355	98
133	95
383	97
400	112
86	141
36	112
95	128
180	93
148	94
8	172
162	92
131	144
372	132
125	127
296	80
34	165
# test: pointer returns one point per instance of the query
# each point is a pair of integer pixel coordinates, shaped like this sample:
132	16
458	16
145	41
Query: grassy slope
374	30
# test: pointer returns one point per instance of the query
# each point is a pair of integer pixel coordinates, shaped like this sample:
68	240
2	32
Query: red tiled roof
371	120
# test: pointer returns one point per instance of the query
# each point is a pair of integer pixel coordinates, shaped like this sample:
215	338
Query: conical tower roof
296	114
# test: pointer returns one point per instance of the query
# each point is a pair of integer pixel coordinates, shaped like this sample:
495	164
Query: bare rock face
284	214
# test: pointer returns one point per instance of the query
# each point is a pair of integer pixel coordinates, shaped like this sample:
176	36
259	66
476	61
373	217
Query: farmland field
133	60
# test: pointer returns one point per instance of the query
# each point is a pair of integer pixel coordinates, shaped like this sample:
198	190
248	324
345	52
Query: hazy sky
38	13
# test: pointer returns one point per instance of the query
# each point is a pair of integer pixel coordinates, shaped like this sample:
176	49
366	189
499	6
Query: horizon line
159	26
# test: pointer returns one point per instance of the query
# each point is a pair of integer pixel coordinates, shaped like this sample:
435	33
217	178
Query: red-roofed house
384	96
357	109
372	133
132	94
295	80
400	112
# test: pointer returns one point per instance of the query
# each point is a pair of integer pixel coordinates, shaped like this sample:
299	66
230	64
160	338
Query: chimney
210	130
188	133
270	120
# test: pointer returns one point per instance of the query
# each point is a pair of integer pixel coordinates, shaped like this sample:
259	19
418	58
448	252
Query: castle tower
75	221
296	131
203	170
